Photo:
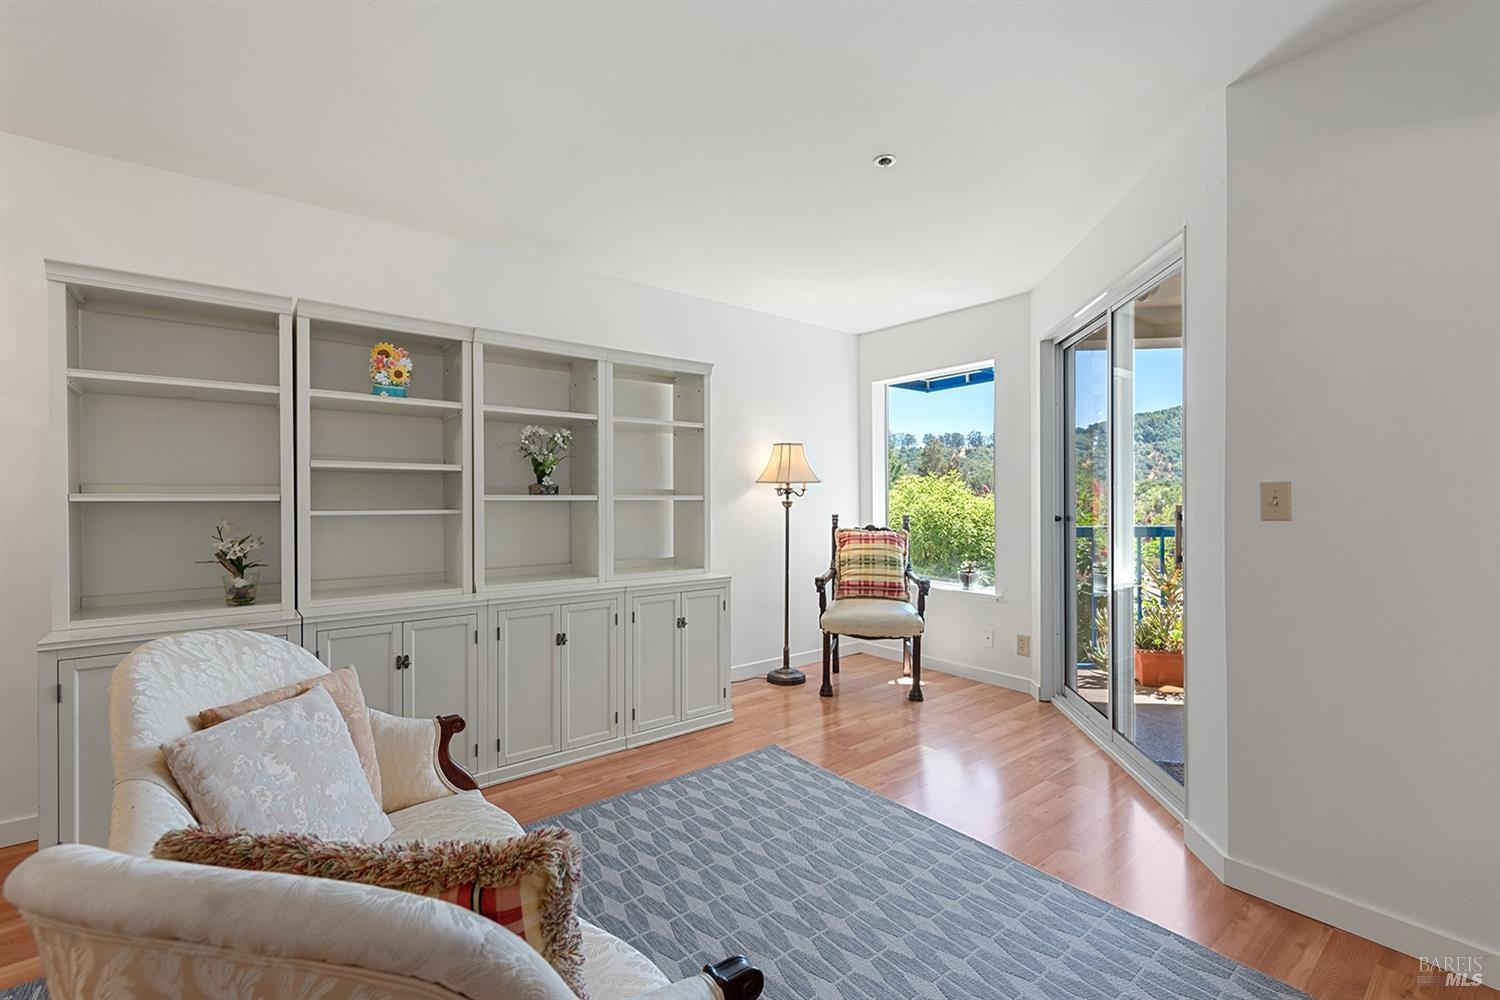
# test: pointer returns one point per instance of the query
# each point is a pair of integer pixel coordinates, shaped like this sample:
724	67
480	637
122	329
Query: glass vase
239	591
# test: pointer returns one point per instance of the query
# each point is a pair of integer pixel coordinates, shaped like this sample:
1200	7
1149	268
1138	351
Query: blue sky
1158	382
1158	385
966	408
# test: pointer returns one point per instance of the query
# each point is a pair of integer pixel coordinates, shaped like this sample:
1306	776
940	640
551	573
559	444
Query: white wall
997	331
1183	190
774	379
1364	366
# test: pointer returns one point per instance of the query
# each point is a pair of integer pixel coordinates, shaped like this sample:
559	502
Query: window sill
957	588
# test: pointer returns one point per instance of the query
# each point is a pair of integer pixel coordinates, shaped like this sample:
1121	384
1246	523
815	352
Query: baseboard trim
18	830
1380	926
1204	848
999	678
759	668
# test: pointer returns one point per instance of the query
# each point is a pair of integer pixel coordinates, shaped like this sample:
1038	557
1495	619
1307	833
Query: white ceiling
720	149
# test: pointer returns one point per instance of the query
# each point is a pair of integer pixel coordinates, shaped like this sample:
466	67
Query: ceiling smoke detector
885	160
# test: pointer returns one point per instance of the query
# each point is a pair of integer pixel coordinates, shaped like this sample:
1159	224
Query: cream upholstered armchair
865	617
118	922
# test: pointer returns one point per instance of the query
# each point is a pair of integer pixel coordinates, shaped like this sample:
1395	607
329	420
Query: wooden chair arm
923	586
448	727
736	978
821	582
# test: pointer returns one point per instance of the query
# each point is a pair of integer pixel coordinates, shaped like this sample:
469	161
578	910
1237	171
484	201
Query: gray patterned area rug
835	892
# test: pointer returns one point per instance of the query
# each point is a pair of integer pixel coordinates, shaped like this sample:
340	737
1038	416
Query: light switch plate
987	638
1023	645
1276	501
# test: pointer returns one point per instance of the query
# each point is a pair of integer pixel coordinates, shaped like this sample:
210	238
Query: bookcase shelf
538	415
342	465
167	387
206	497
334	399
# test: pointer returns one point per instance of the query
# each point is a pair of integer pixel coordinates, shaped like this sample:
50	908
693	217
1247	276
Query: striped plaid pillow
871	563
526	884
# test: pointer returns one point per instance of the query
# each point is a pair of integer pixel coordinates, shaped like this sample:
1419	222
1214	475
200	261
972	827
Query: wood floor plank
996	765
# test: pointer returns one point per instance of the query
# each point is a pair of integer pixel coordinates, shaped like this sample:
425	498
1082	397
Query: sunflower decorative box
390	370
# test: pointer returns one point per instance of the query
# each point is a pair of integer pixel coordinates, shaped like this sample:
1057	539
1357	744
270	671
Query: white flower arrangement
232	552
545	449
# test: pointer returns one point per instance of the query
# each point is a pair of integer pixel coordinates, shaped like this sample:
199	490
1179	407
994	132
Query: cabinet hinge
59	694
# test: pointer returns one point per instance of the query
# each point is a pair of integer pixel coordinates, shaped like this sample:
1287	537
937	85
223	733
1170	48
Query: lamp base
786	676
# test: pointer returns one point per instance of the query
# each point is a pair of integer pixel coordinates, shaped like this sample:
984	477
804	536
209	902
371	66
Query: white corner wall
997	331
1183	191
774	379
1364	366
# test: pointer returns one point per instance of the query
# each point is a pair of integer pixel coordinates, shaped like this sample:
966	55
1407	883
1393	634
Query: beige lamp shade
788	465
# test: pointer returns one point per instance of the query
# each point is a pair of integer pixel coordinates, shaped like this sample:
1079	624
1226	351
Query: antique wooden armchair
872	617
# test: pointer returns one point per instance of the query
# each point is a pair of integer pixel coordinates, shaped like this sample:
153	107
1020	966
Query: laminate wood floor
994	764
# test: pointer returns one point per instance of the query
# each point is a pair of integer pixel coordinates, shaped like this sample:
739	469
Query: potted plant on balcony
1158	631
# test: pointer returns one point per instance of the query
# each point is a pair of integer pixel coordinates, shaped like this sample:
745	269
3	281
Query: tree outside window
940	470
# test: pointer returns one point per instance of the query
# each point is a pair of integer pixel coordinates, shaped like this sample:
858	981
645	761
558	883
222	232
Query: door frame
1054	549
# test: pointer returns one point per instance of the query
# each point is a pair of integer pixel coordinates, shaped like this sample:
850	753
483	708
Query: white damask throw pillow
290	766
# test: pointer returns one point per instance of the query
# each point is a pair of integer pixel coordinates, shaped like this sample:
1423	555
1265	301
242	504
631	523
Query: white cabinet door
654	661
704	684
589	672
528	684
372	650
442	677
87	770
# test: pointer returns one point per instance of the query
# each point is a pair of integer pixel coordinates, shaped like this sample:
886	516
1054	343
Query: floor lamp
788	465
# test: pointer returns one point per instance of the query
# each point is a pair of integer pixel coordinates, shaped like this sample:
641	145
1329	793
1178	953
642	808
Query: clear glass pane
1149	488
1087	374
940	472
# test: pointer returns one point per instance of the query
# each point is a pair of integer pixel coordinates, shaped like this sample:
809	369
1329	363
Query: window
940	470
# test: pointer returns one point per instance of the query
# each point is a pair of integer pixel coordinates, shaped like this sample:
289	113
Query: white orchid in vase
546	450
232	552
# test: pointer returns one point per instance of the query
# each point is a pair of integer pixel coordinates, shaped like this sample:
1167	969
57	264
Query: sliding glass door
1086	493
1122	494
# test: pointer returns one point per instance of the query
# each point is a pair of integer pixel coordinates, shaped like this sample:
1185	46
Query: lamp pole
786	675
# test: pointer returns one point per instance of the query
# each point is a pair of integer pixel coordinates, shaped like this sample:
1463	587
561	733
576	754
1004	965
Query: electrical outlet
987	638
1023	645
1276	501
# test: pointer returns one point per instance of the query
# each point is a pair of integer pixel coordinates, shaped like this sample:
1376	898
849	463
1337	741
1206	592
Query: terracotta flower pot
1157	667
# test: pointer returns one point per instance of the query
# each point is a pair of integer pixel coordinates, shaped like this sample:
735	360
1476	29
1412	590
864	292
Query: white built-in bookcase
177	405
171	409
384	481
522	539
659	465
